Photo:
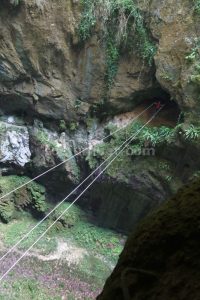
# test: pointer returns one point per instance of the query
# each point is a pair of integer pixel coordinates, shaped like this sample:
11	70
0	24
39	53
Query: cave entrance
169	116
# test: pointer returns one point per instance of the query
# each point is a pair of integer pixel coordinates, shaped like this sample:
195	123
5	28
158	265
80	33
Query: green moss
31	196
69	219
38	202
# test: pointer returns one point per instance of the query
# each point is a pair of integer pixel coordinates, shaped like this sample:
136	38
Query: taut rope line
126	143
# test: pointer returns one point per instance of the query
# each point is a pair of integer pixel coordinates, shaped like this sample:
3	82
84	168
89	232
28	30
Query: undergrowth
149	136
85	234
31	197
73	226
26	289
144	144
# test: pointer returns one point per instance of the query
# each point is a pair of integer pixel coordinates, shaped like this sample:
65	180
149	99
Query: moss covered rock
161	259
30	197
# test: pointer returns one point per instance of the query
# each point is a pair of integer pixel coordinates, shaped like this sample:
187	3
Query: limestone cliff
52	85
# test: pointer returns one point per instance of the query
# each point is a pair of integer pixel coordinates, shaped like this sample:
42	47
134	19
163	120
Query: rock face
162	255
43	69
177	33
14	147
54	84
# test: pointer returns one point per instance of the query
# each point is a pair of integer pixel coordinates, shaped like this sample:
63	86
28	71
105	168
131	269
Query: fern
192	133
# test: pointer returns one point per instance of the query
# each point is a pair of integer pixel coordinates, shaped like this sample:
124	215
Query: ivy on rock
122	27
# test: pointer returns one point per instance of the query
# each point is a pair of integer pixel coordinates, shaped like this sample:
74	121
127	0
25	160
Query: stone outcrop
161	258
14	147
44	70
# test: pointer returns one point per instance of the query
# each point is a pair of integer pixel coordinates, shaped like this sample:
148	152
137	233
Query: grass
76	281
86	235
16	229
25	289
72	226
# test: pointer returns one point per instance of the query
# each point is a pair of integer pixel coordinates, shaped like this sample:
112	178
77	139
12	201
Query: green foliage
192	133
73	126
88	20
12	233
97	239
77	104
122	27
98	255
6	210
31	196
192	55
164	166
197	6
69	219
194	59
86	235
38	197
112	57
62	125
26	289
195	79
153	135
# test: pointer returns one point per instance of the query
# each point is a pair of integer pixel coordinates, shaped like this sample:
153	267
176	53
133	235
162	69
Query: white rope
71	157
126	143
58	205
